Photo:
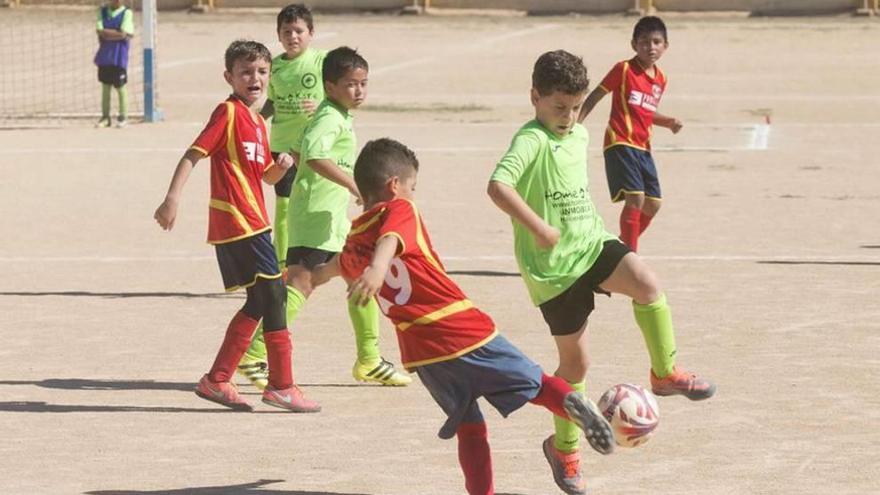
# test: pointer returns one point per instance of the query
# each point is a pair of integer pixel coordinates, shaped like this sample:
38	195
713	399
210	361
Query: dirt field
769	253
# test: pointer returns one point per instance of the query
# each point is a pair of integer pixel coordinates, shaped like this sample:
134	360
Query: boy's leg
123	104
566	402
649	211
105	106
216	386
475	458
280	229
630	220
635	279
370	366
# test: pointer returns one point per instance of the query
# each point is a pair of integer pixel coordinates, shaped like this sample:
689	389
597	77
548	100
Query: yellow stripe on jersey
456	307
232	151
422	242
414	364
367	224
624	101
231	209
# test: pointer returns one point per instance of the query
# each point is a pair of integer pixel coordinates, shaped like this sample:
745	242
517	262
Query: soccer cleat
383	372
291	399
121	123
681	382
255	371
104	122
566	469
223	393
582	412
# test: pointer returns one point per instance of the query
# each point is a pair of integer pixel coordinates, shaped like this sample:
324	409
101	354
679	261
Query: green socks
365	320
257	349
568	434
279	229
655	320
123	102
105	101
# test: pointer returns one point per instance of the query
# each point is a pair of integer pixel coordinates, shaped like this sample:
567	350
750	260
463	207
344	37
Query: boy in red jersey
636	85
452	345
236	140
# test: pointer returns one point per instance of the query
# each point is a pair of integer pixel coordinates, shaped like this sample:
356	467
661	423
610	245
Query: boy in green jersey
318	215
295	89
565	254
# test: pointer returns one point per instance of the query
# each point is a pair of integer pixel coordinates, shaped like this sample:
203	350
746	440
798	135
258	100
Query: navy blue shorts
497	371
631	170
245	260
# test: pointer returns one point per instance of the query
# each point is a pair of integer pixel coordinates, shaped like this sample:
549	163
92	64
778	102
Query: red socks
552	394
475	458
644	221
629	227
238	337
278	350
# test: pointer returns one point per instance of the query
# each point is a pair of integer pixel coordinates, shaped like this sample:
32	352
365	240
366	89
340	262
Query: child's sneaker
121	123
291	399
257	372
381	372
681	382
586	415
566	469
223	393
104	122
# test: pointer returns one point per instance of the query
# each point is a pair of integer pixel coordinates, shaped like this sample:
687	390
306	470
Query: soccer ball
632	412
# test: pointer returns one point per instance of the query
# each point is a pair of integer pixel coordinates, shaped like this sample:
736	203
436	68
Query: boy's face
558	111
350	90
649	47
249	79
295	37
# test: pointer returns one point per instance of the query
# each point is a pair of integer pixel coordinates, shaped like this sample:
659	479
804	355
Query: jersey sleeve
213	136
521	154
401	221
319	138
100	24
613	78
127	26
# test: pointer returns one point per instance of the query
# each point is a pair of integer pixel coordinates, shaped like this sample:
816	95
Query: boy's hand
547	237
285	161
166	214
309	106
675	125
366	286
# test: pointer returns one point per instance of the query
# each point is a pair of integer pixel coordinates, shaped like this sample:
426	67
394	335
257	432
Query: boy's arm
591	102
330	171
276	172
268	109
368	284
670	123
510	202
326	271
166	213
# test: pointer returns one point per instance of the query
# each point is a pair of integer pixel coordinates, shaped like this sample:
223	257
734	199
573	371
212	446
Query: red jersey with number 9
635	99
238	145
434	319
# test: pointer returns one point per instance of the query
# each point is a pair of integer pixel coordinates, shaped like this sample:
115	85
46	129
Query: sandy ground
770	256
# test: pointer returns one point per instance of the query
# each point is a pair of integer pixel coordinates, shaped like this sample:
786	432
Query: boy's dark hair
248	50
649	24
560	71
340	61
380	160
292	13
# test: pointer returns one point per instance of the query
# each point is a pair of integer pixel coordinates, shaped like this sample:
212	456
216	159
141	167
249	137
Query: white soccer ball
632	412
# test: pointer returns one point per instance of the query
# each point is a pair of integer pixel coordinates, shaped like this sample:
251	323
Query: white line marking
760	136
200	60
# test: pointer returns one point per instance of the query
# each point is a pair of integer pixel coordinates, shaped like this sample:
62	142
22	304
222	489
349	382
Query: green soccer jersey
291	82
318	215
550	174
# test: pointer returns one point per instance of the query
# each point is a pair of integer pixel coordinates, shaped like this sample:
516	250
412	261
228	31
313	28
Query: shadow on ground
483	273
255	488
122	295
94	384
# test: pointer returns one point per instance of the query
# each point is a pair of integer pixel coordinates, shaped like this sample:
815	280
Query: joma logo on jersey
255	152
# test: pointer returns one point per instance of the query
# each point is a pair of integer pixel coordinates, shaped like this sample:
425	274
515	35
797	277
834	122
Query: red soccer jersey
635	96
434	319
239	151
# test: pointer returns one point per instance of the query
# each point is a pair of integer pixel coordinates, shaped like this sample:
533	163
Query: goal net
47	48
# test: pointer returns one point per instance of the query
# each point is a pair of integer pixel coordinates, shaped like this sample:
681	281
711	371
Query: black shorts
243	261
631	170
567	312
112	75
308	257
284	186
